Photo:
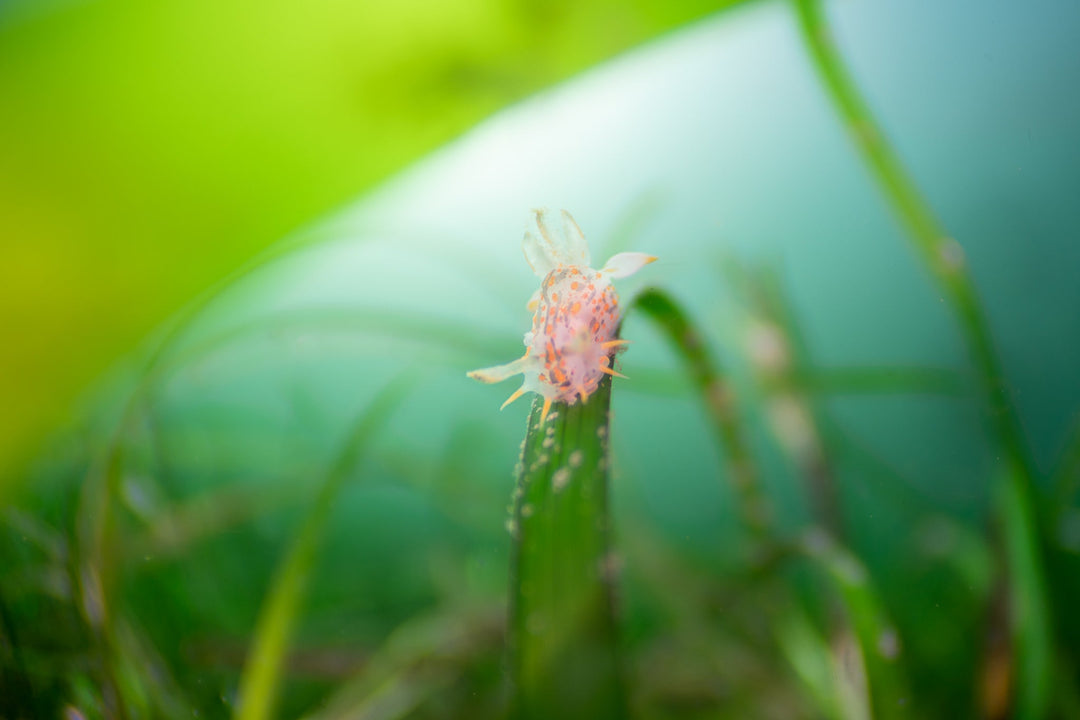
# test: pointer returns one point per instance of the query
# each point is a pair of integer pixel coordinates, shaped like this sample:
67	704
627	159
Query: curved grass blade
93	568
261	677
718	396
943	258
867	679
808	653
877	637
780	360
1027	600
563	646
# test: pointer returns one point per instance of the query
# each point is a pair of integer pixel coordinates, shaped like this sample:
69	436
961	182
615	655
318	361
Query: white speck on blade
560	479
576	458
889	644
951	255
93	596
767	347
540	462
611	564
526	510
548	441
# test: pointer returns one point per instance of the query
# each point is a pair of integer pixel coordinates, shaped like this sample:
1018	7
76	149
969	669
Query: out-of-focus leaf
878	639
259	684
128	186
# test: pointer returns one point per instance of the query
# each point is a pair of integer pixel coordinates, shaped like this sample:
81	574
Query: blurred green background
150	148
236	337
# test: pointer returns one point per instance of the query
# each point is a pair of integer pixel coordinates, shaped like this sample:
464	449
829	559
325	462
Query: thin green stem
881	380
876	635
261	678
941	255
944	260
93	568
1027	602
718	396
781	362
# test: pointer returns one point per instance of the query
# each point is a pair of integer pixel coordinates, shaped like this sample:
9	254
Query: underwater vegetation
819	456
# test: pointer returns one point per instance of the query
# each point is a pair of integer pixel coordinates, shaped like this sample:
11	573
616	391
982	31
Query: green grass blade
780	359
877	636
876	684
1027	602
882	380
563	644
943	258
94	569
261	677
809	656
718	396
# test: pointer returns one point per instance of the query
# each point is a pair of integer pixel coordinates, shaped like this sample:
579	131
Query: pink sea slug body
576	313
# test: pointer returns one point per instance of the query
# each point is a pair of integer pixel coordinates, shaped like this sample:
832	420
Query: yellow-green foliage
151	147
